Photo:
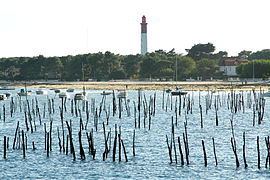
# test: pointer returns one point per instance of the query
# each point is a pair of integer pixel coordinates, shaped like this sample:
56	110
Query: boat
267	94
104	93
7	94
168	90
6	88
64	95
24	93
178	92
3	97
122	94
70	90
57	90
80	96
41	91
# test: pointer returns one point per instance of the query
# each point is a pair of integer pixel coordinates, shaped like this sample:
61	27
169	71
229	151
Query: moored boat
24	93
168	90
104	93
41	91
70	90
122	94
3	97
178	92
57	90
7	94
64	95
80	96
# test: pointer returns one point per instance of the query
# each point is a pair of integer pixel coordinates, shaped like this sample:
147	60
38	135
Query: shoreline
145	85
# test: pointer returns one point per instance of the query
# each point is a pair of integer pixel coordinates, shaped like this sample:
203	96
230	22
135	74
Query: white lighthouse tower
143	36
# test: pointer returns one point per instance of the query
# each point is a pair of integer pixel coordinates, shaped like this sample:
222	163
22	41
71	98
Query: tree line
200	61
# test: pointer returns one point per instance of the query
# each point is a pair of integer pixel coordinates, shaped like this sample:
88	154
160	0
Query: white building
229	65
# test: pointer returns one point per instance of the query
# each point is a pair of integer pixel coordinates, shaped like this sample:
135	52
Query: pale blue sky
70	27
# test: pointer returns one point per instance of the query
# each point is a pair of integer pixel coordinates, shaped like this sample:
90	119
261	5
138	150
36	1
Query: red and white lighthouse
143	36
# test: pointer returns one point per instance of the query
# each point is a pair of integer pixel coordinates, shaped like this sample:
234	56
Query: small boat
106	93
267	94
168	90
178	92
122	94
64	95
6	88
3	97
80	96
24	93
70	90
41	91
57	90
7	94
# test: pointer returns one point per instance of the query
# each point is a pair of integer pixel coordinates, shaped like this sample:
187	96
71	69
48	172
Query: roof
232	61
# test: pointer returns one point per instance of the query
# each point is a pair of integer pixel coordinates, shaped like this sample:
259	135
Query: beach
145	85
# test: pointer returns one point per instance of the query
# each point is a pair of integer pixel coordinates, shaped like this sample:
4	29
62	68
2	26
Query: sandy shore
147	85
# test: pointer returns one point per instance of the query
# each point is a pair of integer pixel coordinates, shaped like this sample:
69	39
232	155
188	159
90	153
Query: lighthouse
143	36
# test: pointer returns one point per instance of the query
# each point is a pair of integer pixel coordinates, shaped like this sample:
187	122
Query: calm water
152	158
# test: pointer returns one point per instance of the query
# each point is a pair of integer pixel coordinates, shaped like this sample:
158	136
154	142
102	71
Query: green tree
131	65
261	69
244	54
263	54
206	68
199	51
185	67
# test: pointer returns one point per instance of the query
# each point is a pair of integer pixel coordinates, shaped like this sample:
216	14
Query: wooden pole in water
59	140
15	135
204	154
119	142
33	145
51	135
201	116
244	150
70	139
23	144
258	150
45	136
267	148
169	149
5	147
124	149
105	139
48	144
67	145
180	150
114	144
133	142
81	147
214	149
233	142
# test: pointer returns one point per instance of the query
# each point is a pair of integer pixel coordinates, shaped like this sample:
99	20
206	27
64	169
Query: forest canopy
200	61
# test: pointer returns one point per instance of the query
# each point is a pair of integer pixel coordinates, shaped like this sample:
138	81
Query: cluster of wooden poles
66	141
235	103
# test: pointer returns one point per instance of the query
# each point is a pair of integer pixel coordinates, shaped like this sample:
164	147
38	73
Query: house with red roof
229	64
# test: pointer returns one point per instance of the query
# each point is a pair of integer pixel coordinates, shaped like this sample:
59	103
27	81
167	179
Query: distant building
228	65
143	36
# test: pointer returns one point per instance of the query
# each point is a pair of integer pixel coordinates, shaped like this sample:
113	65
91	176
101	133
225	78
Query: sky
71	27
